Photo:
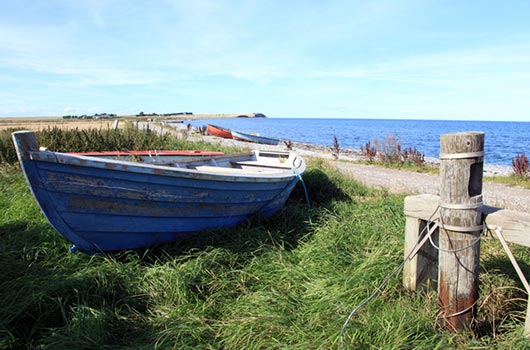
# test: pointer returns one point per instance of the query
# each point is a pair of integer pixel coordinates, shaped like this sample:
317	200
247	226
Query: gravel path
395	181
400	181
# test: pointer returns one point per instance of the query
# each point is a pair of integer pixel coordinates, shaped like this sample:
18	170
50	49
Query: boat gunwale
227	174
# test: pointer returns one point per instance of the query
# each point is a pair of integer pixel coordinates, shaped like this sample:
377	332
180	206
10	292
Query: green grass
512	180
287	282
407	166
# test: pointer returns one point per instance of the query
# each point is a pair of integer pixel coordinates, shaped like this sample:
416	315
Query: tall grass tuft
520	166
369	152
391	153
102	139
335	148
287	282
8	154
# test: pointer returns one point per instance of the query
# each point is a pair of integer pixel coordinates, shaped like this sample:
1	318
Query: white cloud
503	63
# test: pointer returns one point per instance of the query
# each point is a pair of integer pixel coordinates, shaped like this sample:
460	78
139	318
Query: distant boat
102	204
243	136
219	131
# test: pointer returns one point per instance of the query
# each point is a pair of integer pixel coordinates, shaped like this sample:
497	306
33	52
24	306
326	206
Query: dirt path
400	181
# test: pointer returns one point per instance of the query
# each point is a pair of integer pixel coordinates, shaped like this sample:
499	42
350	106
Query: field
288	282
40	123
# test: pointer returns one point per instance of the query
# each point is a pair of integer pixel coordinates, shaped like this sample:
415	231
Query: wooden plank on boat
214	169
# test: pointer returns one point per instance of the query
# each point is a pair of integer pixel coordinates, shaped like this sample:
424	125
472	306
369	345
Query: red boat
219	131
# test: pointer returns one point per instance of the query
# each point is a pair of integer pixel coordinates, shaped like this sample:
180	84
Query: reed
287	282
103	139
520	166
335	148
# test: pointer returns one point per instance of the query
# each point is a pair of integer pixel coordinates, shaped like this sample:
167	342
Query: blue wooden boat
244	136
102	204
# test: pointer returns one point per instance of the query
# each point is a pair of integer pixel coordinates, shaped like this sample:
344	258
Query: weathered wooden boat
219	131
244	136
103	204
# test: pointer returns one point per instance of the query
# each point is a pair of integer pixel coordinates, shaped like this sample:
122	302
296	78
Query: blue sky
416	59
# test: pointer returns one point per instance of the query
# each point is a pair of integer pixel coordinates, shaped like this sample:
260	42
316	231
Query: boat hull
243	136
219	131
102	205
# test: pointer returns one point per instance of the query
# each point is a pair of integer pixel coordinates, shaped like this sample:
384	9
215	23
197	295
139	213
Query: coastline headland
81	122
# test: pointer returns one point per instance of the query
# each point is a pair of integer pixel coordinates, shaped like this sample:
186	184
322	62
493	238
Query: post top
464	133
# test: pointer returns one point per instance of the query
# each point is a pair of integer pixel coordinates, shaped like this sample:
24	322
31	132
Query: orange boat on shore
219	131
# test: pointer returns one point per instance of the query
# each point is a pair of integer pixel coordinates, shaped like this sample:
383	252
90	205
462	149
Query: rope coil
463	206
461	228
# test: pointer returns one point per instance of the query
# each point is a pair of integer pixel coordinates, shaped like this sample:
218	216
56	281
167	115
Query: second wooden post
461	166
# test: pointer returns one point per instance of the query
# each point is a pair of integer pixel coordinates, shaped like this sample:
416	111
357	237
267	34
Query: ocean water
503	140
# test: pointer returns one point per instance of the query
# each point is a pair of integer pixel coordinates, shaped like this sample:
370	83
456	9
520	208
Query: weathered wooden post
461	167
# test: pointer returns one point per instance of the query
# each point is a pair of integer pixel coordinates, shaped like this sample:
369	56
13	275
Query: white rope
476	205
462	206
500	236
461	155
424	239
462	228
461	312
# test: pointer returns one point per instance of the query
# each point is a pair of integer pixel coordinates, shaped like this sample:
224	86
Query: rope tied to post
424	236
299	176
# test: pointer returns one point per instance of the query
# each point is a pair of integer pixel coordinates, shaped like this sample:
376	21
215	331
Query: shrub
335	149
389	150
520	165
369	151
7	149
412	155
203	130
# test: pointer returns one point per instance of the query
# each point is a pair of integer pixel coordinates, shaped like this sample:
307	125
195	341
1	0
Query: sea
503	140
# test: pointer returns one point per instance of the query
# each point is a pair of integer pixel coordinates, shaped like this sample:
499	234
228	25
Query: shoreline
309	149
315	150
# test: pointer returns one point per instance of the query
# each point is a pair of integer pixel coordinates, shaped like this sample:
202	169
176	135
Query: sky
405	59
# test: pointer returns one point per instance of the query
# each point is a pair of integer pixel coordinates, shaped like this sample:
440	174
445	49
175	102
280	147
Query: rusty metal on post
461	167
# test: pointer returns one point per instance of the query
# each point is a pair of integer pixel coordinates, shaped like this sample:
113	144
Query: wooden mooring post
461	167
454	220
